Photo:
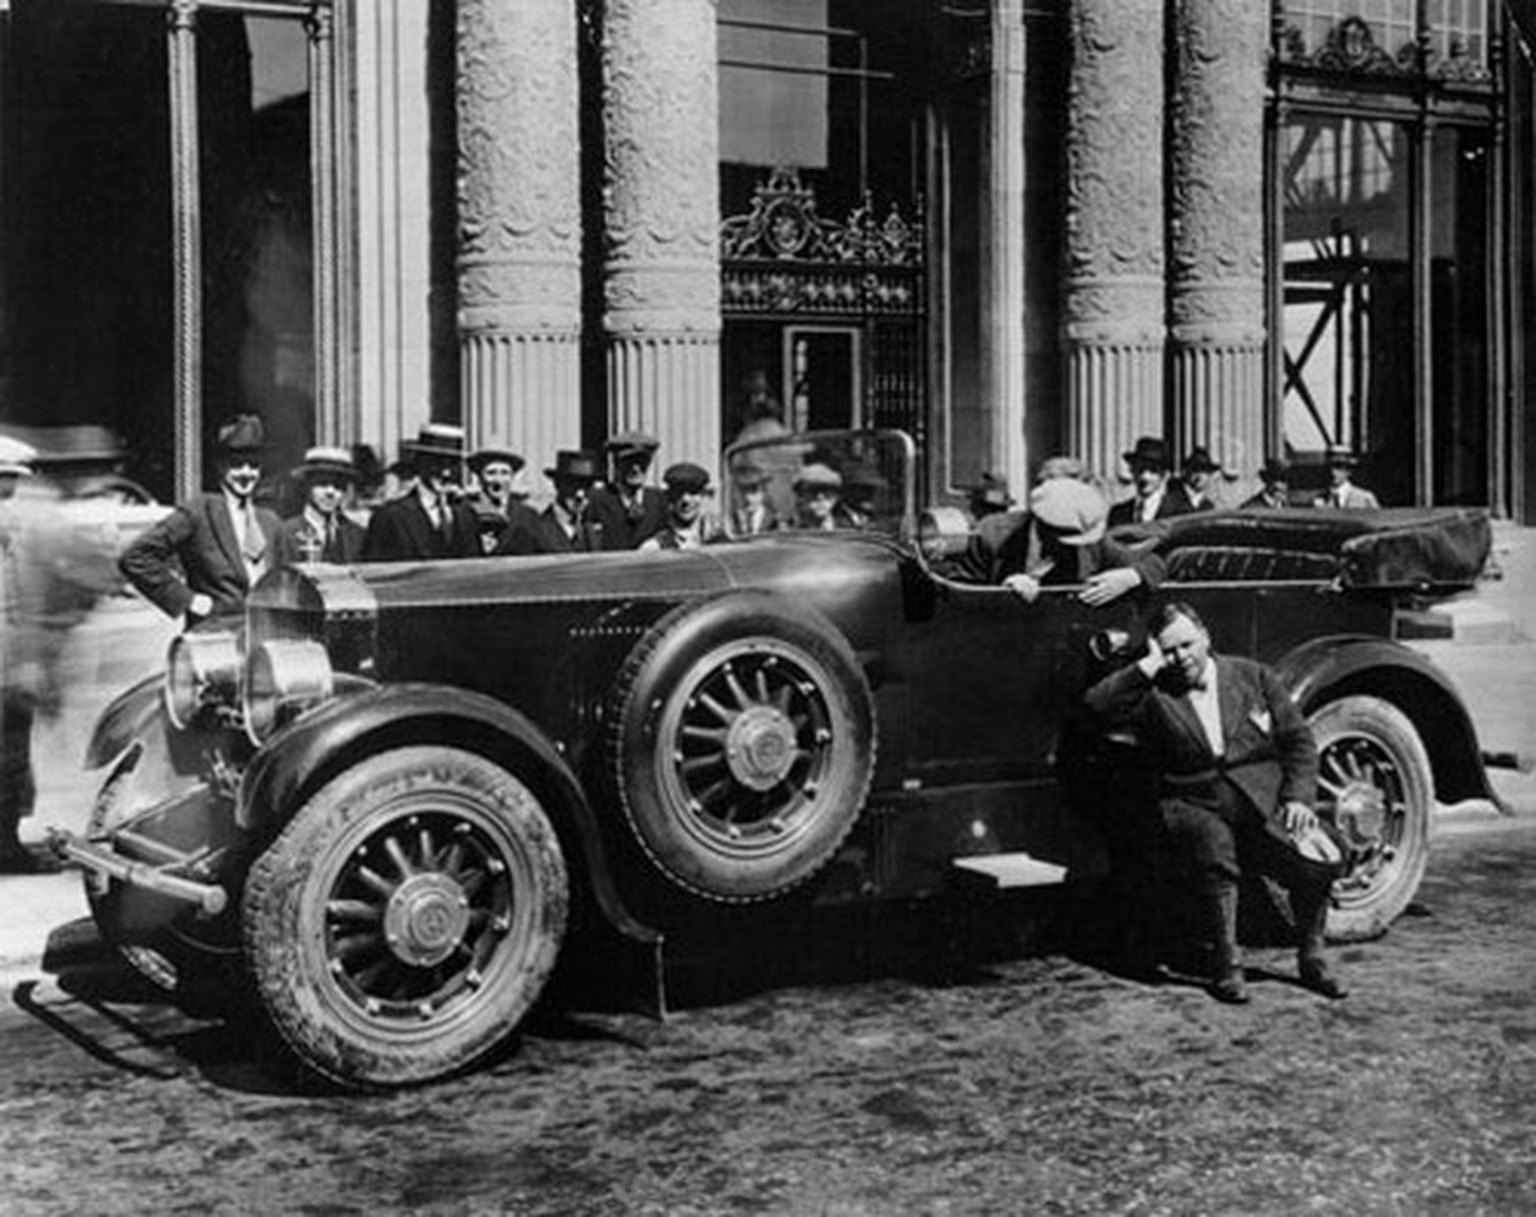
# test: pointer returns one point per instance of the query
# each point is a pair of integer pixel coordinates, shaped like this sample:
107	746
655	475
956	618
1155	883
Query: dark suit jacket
194	550
621	529
401	531
1270	755
344	548
1175	503
541	533
1004	545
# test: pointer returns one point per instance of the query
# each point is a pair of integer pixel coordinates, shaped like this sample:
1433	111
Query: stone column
1004	301
519	226
662	214
1216	229
1113	290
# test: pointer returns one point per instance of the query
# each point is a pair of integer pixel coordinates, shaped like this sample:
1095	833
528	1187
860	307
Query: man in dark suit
429	520
201	561
1156	497
629	510
1275	488
322	531
565	526
1197	478
1237	775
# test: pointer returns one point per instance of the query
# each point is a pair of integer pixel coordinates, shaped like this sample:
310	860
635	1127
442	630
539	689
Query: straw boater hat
327	462
1341	456
1074	509
482	457
16	457
442	441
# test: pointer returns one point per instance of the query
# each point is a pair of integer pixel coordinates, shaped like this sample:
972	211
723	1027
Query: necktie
252	543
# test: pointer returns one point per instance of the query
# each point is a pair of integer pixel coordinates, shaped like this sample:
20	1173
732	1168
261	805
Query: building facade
1011	227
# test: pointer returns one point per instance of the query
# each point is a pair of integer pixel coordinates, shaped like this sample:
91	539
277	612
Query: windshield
820	481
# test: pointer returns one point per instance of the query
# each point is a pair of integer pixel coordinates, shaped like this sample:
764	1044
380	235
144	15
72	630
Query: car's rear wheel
742	744
407	917
1376	786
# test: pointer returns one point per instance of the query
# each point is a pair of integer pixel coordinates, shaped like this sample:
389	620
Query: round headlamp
943	532
201	670
283	678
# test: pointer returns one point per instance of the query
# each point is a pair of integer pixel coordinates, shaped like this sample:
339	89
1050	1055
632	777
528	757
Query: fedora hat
990	491
481	457
16	457
242	435
327	462
1341	456
572	465
1199	461
1074	509
1149	450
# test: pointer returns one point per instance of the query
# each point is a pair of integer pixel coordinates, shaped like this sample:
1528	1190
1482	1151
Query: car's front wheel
1376	786
407	917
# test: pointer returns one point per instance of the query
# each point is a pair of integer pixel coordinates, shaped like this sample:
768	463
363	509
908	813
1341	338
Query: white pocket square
1260	719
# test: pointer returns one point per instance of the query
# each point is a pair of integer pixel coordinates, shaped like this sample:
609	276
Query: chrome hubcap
425	919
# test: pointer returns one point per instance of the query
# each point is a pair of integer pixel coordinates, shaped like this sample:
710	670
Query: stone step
1466	622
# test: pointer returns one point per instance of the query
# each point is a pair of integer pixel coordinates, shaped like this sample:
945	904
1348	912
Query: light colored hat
1074	509
817	476
16	457
327	462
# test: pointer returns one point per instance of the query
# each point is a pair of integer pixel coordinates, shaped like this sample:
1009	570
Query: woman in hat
429	520
201	561
322	531
565	526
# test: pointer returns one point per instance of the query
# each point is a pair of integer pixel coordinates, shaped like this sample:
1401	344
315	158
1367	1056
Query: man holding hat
628	509
429	520
686	526
1156	498
1342	491
499	498
322	531
1276	489
565	526
1062	543
200	562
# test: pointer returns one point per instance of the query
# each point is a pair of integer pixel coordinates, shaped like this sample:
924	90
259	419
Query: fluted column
1216	229
519	226
1113	282
662	213
187	248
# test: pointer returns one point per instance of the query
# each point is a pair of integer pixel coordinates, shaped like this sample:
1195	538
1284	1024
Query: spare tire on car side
741	744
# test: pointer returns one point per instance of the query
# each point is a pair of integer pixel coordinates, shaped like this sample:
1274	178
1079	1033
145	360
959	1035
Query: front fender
1328	668
341	731
124	720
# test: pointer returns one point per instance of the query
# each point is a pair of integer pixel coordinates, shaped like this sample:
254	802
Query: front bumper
156	876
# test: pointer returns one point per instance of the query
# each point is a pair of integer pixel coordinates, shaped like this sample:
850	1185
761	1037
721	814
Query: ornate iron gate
782	262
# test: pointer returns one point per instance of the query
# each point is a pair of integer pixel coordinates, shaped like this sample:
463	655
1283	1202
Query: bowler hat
1149	450
1275	470
16	457
817	476
327	462
481	457
686	478
573	465
627	445
1074	509
1199	461
242	435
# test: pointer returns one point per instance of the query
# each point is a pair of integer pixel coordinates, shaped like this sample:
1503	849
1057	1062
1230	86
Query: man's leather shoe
1316	976
1230	989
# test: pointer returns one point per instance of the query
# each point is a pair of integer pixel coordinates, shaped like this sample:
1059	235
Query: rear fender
1329	668
341	732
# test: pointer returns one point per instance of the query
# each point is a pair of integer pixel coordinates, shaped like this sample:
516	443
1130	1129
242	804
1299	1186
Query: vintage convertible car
410	790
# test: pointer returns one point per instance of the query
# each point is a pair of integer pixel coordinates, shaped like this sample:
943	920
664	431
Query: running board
1009	871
